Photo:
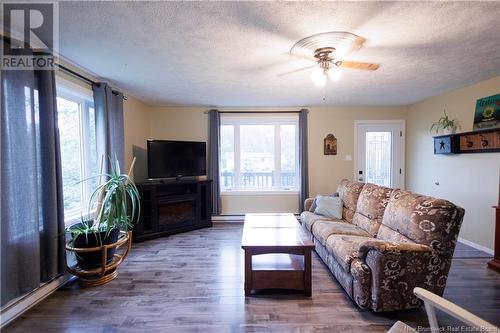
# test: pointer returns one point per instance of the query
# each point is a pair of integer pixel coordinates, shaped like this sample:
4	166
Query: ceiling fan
328	50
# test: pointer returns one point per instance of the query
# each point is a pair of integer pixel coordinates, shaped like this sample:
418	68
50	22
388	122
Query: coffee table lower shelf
278	271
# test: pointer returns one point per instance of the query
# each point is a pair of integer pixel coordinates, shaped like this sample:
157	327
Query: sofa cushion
308	219
324	229
343	277
390	235
349	193
370	207
424	220
345	248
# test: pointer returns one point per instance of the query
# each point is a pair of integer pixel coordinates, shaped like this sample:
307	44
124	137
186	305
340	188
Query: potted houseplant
117	208
445	124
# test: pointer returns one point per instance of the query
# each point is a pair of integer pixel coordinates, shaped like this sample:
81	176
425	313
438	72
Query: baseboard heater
235	217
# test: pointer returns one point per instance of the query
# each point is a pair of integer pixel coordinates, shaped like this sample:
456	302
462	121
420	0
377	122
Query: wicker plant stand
107	272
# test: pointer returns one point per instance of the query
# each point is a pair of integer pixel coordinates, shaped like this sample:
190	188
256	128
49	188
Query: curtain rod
64	68
81	77
257	112
77	75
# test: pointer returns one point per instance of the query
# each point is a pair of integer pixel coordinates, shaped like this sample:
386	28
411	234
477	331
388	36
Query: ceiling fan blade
358	43
296	70
357	65
302	56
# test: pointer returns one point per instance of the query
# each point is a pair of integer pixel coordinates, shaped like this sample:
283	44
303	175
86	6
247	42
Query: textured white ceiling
228	53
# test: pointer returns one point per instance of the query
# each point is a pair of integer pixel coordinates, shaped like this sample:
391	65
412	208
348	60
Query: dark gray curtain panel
108	106
303	161
213	158
32	211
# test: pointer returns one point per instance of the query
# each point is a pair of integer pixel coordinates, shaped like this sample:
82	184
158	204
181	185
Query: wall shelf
485	141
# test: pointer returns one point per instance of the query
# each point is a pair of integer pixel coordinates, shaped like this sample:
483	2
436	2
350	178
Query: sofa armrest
397	268
308	203
386	247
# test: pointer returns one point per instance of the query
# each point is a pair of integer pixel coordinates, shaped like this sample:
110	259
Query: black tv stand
173	206
178	179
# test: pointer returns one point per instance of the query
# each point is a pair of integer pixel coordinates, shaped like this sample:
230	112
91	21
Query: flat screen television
167	159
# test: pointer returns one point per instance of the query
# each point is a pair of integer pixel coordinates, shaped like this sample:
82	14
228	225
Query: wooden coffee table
277	253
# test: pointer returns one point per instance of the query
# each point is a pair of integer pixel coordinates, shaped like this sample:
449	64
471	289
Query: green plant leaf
118	190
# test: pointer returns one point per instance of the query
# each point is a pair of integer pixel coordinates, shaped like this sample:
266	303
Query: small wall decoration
487	113
330	145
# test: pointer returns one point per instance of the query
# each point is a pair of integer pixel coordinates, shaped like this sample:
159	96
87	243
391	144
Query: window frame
84	98
264	119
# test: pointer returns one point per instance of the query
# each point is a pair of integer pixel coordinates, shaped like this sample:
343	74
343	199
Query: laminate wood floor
193	282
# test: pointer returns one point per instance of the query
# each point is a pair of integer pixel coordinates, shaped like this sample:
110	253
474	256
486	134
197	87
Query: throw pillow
313	206
329	206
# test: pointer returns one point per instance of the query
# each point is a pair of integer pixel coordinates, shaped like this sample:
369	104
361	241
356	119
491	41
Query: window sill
73	219
259	192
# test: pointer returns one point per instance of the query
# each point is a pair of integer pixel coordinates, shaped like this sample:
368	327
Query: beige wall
178	123
325	172
468	180
136	127
262	203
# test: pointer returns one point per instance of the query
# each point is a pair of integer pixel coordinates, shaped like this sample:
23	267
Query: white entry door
379	156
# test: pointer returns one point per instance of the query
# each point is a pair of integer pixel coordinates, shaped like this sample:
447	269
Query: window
378	158
76	121
259	153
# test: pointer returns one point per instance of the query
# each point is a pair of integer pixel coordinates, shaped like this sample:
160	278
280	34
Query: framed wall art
487	114
330	145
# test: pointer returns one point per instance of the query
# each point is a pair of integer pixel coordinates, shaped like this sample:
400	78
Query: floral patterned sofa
388	242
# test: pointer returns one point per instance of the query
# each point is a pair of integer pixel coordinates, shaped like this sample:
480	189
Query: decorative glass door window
378	158
380	154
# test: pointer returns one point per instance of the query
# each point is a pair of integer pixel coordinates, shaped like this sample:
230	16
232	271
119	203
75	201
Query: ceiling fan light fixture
328	50
318	77
335	73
